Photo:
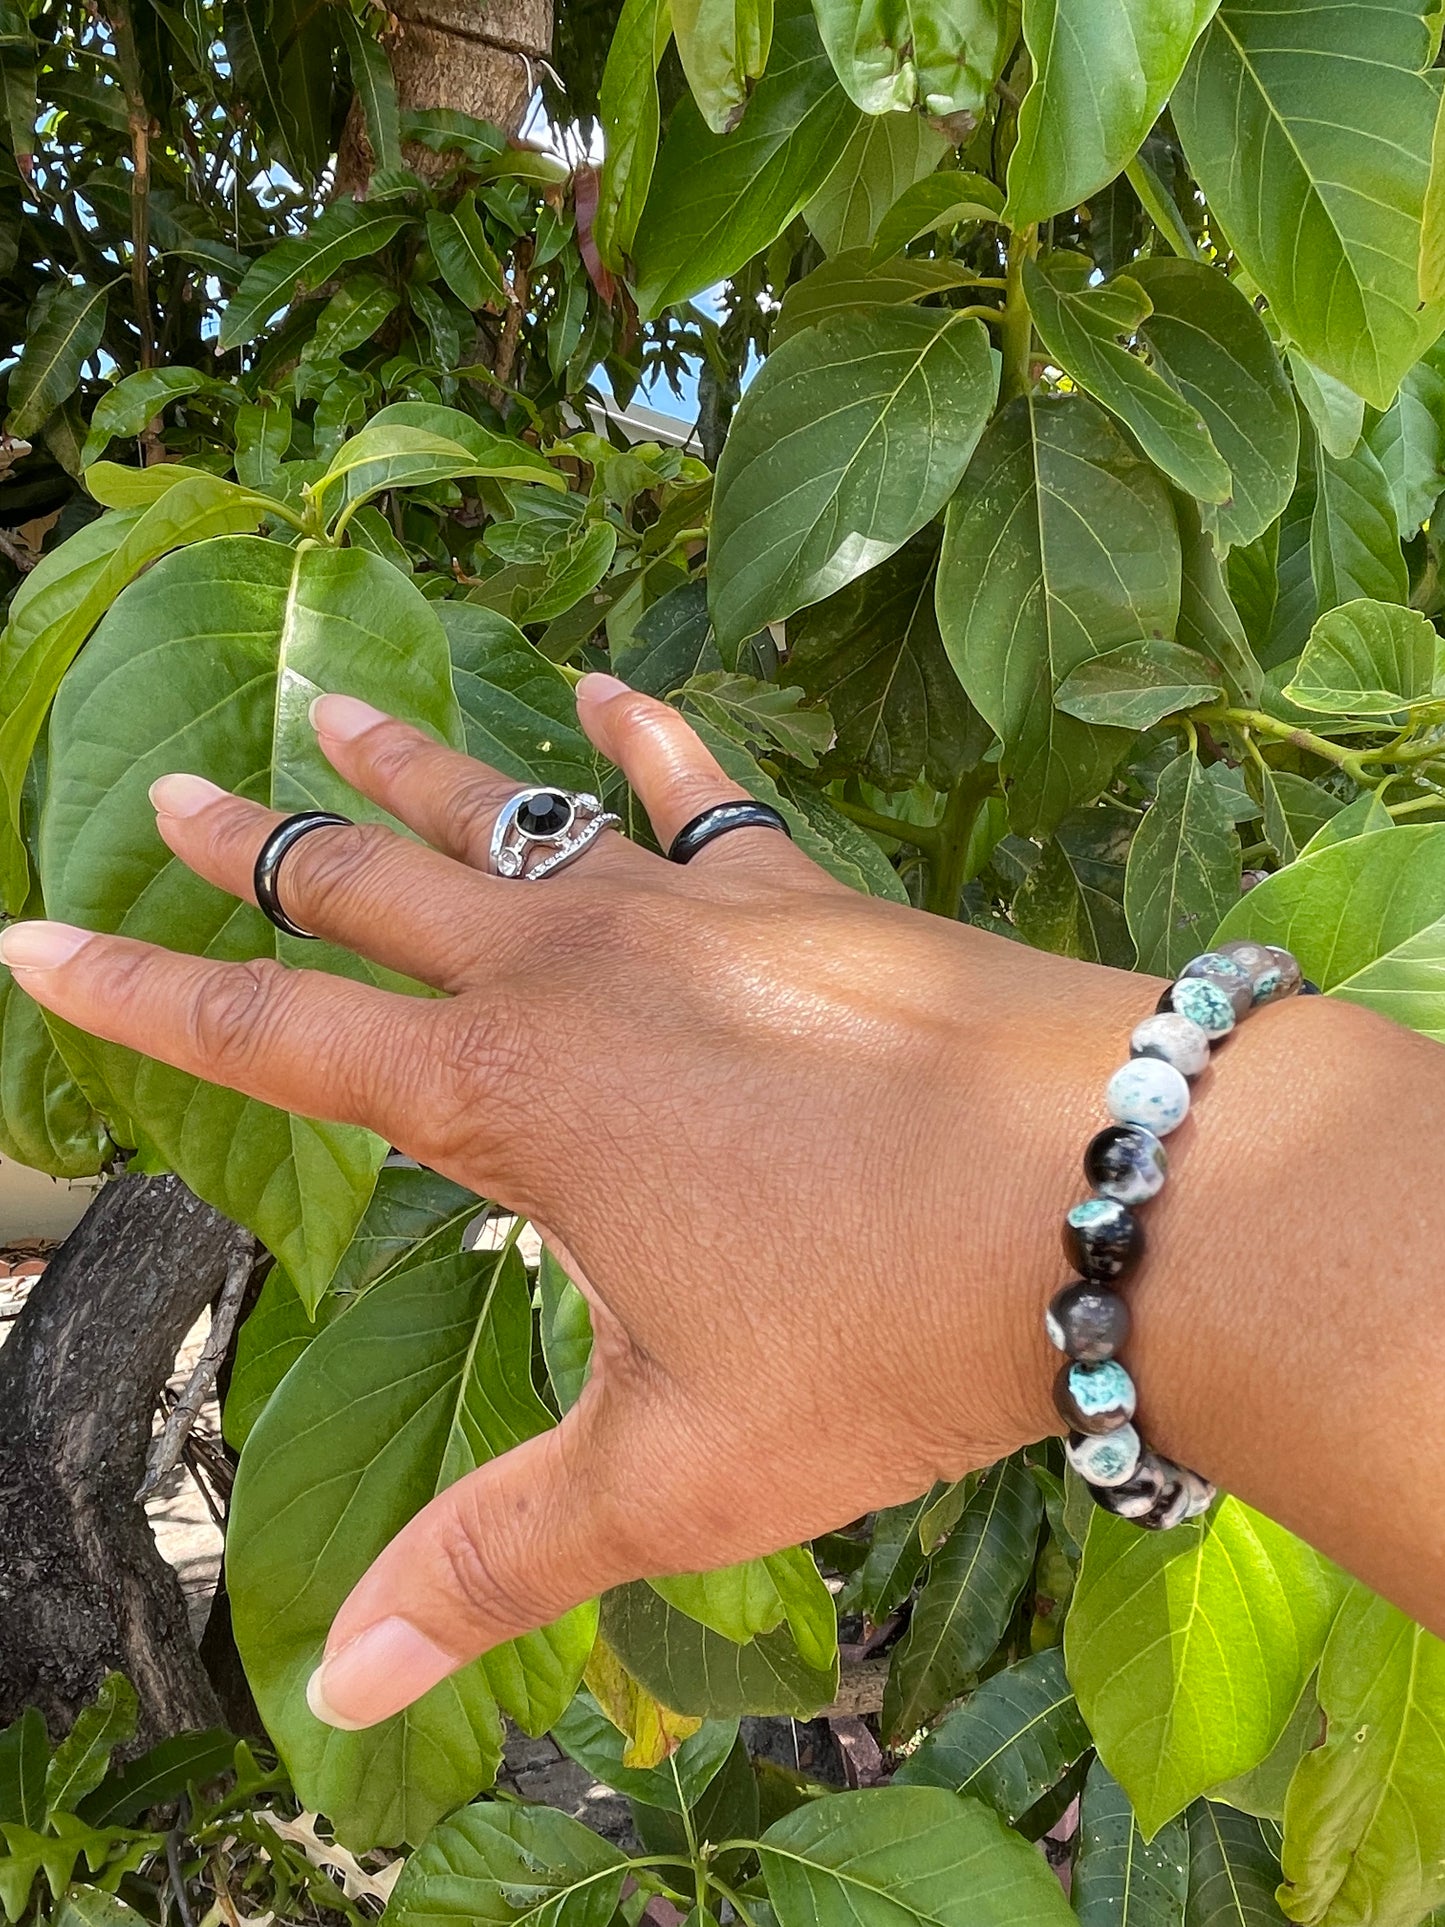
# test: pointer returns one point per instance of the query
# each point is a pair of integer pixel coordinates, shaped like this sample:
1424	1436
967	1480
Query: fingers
304	1041
503	1551
675	775
377	893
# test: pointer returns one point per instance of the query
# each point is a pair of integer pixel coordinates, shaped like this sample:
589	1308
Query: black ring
717	821
268	862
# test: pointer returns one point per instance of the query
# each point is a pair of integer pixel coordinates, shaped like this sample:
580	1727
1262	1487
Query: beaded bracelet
1126	1164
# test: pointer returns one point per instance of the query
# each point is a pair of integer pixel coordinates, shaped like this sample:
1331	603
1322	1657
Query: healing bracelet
1126	1164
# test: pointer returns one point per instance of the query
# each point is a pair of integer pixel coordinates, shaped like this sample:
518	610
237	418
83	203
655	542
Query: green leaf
1261	1792
446	130
78	1764
1354	542
723	46
1102	71
894	1558
263	435
93	1907
351	317
885	154
718	199
566	1331
1120	1873
872	653
186	670
1183	874
518	709
46	1120
1364	1830
1072	900
276	1332
850	438
628	110
493	1865
1013	1739
1431	280
24	1757
413	444
572	573
670	641
1334	112
1084	329
1209	623
694	1670
62	331
425	1378
1366	918
1295	810
751	711
126	408
158	1776
1233	1871
911	1856
345	231
756	1597
1366	816
1189	1650
1408	440
728	1808
922	57
1337	412
1369	659
971	1590
1207	341
855	280
375	86
283	55
413	1215
585	1732
1138	685
1060	544
937	201
464	255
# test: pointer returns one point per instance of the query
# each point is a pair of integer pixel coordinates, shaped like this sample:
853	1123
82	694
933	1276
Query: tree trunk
83	1589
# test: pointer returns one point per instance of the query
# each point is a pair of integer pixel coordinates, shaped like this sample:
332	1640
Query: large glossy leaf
873	654
276	1332
414	444
413	1215
1122	1875
1309	130
1205	338
1295	810
1233	1870
1060	544
629	112
346	231
1354	540
1138	685
158	1776
1013	1739
1262	1791
670	641
1364	1836
585	1732
1369	659
895	1557
1366	918
886	154
938	201
717	199
126	408
1189	1650
903	1857
693	1670
1072	900
494	1865
972	1587
1085	330
425	1378
1102	69
1337	412
743	1601
63	330
565	1329
518	709
1209	623
853	435
938	57
857	279
1408	441
46	1120
209	663
723	46
1183	874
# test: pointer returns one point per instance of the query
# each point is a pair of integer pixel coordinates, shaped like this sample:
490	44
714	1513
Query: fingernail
183	795
377	1673
40	946
345	717
600	688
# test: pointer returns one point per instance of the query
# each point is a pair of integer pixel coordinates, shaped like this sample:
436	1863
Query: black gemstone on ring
544	815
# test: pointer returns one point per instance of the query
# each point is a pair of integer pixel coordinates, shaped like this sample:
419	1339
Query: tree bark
83	1589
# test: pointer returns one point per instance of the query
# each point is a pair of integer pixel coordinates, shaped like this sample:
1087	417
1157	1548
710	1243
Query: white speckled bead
1205	1003
1173	1039
1150	1092
1112	1459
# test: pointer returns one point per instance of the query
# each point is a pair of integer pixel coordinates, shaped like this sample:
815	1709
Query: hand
806	1153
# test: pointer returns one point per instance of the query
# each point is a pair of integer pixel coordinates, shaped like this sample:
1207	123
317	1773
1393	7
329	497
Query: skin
808	1155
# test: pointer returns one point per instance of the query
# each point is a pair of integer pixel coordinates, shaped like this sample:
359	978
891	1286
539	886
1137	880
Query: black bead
1126	1162
1088	1322
1307	989
1166	1000
544	815
1094	1399
1102	1239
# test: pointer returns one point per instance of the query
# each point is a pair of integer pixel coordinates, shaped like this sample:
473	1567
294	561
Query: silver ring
541	830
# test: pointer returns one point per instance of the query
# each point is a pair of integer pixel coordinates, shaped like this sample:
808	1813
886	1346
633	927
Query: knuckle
478	1580
332	864
467	814
393	749
484	1063
235	1008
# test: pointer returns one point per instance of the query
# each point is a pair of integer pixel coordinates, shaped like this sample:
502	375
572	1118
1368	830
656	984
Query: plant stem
1416	803
1160	208
1018	323
922	836
997	316
734	1901
138	121
949	862
1255	719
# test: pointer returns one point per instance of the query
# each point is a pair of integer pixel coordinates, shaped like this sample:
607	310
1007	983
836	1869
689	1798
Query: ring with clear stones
542	830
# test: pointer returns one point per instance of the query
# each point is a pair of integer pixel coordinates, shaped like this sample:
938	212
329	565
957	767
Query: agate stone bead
1150	1092
1102	1238
1104	1461
1087	1322
1266	972
1126	1162
1226	974
1207	1003
1157	1495
1173	1040
1094	1398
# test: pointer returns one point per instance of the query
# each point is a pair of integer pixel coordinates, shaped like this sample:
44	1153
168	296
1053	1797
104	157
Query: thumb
505	1550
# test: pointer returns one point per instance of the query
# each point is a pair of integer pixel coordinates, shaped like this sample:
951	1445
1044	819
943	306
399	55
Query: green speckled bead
1204	1003
1104	1461
1095	1398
